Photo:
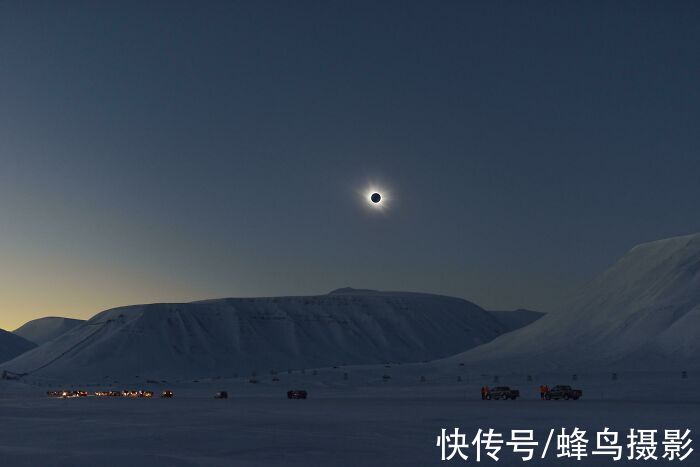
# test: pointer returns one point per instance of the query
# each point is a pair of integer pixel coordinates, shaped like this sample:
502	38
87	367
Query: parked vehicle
563	392
297	394
221	395
503	393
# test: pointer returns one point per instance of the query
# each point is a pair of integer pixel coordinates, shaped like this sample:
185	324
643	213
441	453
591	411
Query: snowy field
359	421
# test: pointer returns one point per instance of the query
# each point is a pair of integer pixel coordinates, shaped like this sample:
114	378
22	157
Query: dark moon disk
376	197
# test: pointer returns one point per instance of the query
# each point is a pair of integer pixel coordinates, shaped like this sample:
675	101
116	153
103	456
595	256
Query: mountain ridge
42	330
242	335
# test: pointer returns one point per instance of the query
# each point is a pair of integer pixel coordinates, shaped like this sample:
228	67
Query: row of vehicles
561	391
134	394
293	394
564	392
67	394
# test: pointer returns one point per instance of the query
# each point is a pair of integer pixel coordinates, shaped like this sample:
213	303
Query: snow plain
361	420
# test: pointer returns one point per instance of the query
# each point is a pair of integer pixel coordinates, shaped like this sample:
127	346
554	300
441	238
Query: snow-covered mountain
643	312
12	346
510	319
238	336
43	330
517	319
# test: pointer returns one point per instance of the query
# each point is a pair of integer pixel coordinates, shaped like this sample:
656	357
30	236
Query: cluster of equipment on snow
141	394
131	394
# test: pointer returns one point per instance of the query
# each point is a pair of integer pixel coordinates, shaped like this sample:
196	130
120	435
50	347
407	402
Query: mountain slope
517	319
641	313
238	336
12	346
43	330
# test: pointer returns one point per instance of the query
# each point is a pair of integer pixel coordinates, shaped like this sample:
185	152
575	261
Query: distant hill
12	346
242	335
642	313
43	330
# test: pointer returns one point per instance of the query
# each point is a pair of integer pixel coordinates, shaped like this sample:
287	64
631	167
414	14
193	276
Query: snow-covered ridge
243	335
642	313
43	330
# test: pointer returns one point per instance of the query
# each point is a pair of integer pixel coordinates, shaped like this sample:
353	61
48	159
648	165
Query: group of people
544	389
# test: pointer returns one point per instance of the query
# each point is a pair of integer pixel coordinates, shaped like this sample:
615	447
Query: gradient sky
173	151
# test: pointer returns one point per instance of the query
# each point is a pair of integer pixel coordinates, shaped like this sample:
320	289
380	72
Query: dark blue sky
158	151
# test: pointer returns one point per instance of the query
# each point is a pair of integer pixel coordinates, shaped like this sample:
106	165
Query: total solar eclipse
376	197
